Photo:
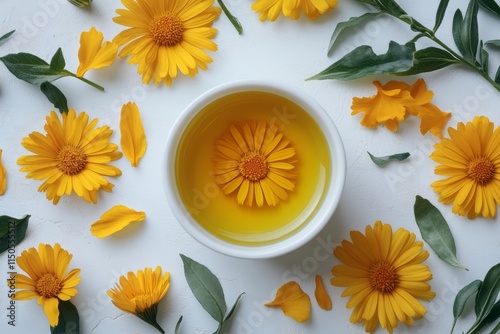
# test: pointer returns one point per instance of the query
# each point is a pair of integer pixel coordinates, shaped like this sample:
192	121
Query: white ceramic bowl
326	207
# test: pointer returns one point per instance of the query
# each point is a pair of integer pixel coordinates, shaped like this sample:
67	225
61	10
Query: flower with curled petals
47	280
254	159
271	9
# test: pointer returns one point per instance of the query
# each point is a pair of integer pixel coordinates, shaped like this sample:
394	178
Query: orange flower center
71	160
48	286
253	166
383	277
482	171
166	30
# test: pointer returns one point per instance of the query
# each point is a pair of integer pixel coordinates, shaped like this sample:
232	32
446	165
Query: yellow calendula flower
271	9
133	138
384	276
140	293
92	53
470	159
293	301
114	220
3	178
167	36
47	280
72	156
255	159
321	295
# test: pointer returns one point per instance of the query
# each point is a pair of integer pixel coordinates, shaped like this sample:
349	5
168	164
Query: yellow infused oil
201	184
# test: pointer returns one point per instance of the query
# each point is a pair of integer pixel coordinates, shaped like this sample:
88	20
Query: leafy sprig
406	59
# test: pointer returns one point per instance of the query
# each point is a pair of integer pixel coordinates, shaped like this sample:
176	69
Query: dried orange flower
321	295
293	301
256	160
396	100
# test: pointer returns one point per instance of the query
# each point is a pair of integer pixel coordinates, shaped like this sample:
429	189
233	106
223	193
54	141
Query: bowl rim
296	239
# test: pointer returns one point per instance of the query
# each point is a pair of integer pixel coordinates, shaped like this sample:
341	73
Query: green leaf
362	62
435	231
491	6
497	76
234	307
352	22
430	59
178	325
470	33
382	161
7	35
393	8
12	231
458	22
205	287
490	318
493	42
488	293
461	299
443	5
30	68
58	63
69	320
55	96
236	23
483	57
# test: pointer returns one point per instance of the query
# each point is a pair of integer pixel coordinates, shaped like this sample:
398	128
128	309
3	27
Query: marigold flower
321	295
384	276
114	220
167	36
470	161
3	179
140	293
293	301
271	9
255	159
47	279
133	138
92	53
72	156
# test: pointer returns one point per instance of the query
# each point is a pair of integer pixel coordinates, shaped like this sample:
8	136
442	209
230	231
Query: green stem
231	18
93	84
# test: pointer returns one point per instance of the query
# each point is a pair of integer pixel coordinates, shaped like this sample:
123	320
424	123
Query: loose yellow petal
293	301
133	138
3	180
321	295
114	220
92	53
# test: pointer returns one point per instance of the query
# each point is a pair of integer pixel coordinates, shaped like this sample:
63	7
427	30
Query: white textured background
287	51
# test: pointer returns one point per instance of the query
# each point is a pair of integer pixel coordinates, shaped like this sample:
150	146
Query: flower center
71	160
48	286
166	30
383	277
253	166
481	170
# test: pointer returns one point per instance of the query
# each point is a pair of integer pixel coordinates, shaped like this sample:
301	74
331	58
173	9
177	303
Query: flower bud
80	3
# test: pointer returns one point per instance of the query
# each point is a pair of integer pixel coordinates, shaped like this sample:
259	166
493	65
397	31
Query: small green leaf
488	293
352	22
490	318
55	96
435	231
493	42
7	35
483	57
443	5
236	23
461	299
205	287
491	6
497	76
470	33
362	62
458	22
12	231
430	59
69	320
382	161
58	63
234	307
178	325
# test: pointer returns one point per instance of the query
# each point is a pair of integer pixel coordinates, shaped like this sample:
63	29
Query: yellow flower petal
114	220
293	301
321	295
3	179
133	138
92	54
271	9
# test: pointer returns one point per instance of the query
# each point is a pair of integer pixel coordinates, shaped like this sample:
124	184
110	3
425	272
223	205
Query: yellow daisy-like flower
292	301
255	159
140	294
114	220
92	53
384	276
72	156
3	179
167	36
271	9
470	159
48	279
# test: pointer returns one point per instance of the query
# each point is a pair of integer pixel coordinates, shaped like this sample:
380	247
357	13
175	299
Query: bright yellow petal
115	219
133	138
92	54
51	309
321	295
293	301
3	179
